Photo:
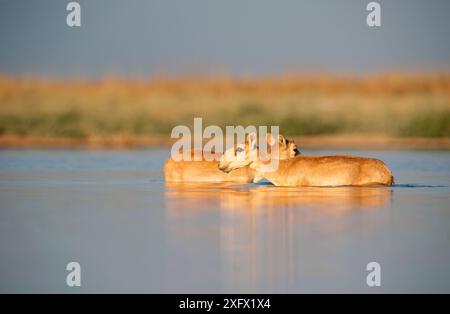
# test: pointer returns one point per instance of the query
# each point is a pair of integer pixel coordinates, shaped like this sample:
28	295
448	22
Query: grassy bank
389	105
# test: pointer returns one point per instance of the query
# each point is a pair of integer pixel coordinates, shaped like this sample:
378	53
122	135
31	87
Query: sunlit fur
232	159
326	171
208	171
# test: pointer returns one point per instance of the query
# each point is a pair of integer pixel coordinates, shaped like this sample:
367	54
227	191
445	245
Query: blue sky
246	37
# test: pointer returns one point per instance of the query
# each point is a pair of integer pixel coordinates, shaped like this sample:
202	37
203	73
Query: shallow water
112	212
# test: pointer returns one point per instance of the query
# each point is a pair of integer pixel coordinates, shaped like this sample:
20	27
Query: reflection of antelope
208	171
187	198
315	170
262	232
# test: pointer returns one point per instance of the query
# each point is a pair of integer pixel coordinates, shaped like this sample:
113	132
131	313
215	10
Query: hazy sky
138	37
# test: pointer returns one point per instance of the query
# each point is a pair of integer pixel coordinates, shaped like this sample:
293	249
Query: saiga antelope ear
270	139
282	140
252	140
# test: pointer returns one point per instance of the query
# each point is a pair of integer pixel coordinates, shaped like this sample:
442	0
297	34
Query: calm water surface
112	212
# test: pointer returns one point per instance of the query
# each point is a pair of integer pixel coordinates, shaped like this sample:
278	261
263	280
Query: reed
389	104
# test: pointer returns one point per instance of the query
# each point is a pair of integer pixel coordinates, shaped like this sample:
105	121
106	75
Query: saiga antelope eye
239	149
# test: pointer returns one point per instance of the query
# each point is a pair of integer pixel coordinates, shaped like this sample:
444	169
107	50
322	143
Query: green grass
75	124
299	107
427	124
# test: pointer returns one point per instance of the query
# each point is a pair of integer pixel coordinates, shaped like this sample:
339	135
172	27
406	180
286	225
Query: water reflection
260	230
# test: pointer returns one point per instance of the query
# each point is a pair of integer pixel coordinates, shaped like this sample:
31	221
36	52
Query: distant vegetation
394	105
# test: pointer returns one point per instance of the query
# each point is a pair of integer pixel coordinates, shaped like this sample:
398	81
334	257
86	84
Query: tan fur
208	171
204	171
327	171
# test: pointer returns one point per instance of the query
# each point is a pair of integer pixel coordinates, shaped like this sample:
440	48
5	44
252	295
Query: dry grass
392	105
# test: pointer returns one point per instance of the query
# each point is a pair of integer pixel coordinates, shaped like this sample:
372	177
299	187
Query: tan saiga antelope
208	171
315	170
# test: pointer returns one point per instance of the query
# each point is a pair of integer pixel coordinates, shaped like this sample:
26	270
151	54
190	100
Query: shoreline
134	142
